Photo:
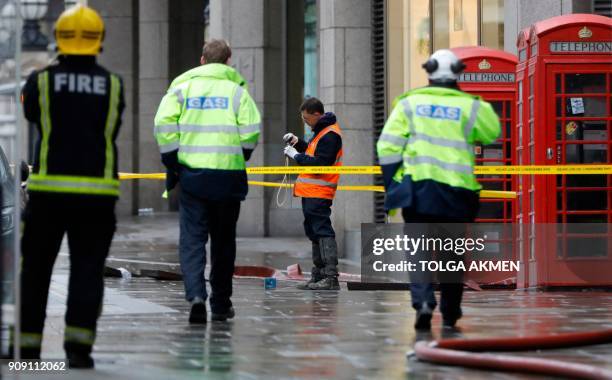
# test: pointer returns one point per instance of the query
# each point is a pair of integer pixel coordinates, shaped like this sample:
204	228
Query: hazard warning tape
375	188
315	170
478	170
123	176
496	194
544	169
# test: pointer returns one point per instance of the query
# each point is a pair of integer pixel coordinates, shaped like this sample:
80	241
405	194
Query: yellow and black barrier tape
491	194
544	169
124	176
478	170
496	194
315	170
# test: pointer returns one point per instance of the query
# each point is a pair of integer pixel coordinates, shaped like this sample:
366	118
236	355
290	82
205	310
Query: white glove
290	138
290	152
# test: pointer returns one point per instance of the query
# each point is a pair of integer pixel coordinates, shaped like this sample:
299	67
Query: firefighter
426	151
76	105
318	190
207	127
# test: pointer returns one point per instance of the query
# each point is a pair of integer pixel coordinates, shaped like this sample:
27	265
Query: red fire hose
453	352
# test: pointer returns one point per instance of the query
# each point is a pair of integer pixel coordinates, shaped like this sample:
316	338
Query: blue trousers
450	298
422	291
200	218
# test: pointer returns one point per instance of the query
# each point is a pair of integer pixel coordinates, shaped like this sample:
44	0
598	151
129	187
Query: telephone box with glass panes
563	102
523	216
491	74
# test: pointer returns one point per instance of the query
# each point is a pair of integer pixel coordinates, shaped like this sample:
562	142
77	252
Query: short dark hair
216	51
312	105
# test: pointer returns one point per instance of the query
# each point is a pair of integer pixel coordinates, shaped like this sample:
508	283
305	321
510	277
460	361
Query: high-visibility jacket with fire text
76	106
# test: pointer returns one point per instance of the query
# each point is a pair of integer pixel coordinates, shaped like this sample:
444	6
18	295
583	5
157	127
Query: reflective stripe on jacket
77	106
209	117
429	136
319	185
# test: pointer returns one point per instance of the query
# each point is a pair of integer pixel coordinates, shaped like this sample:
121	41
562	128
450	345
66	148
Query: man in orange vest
318	190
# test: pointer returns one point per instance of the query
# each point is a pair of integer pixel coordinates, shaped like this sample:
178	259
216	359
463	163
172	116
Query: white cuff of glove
290	152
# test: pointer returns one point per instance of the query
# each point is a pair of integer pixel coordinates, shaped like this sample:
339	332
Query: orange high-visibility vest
319	185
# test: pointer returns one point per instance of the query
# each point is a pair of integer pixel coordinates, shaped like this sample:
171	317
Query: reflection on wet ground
290	334
286	333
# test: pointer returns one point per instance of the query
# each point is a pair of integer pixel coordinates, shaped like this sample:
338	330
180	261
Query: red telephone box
524	217
491	74
564	80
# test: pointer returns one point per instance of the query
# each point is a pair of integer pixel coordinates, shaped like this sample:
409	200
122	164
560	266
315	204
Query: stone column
346	89
287	219
118	55
148	42
253	29
171	41
153	82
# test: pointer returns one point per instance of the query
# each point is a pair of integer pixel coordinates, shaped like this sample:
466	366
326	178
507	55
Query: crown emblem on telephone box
585	33
484	65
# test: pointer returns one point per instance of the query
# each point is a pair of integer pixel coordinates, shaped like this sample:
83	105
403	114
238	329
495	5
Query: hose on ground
460	352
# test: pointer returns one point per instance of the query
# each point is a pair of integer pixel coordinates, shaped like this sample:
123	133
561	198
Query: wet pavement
289	334
150	242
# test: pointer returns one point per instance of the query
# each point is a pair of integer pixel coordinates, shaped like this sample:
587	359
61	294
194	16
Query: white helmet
443	66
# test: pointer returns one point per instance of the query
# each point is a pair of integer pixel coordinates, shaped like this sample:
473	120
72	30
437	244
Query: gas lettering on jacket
80	83
433	111
208	102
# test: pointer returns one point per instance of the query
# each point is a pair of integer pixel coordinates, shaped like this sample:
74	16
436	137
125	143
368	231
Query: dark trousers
90	224
318	225
199	218
451	290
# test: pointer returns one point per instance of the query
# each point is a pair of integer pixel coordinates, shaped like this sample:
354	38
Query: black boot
449	321
198	312
316	272
329	255
26	353
222	317
423	318
328	283
80	360
315	276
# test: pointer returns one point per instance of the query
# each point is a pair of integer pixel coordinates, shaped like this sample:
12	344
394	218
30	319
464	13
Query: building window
455	23
310	48
408	44
206	19
311	74
492	24
416	28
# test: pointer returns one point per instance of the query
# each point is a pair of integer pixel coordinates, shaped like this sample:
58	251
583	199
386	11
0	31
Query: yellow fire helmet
79	31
